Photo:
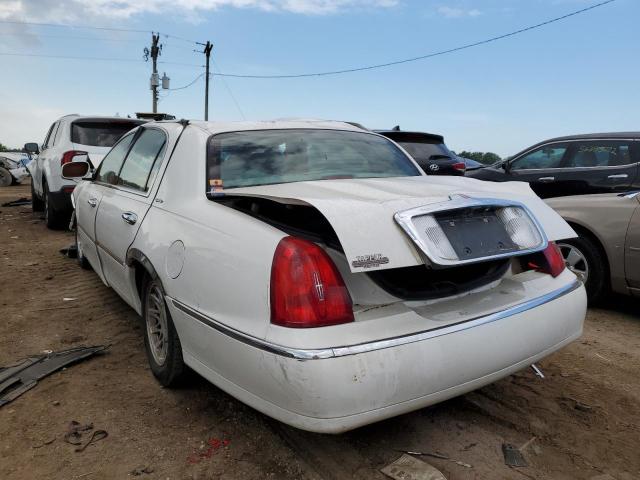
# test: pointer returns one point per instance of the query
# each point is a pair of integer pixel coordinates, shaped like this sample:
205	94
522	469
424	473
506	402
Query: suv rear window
99	134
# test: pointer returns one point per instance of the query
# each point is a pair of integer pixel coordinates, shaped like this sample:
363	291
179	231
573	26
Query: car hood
362	211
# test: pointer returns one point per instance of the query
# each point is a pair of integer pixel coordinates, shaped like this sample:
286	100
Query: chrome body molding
458	202
335	352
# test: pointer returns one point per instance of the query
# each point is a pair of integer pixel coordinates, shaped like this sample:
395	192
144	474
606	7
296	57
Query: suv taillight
307	289
67	157
460	166
550	260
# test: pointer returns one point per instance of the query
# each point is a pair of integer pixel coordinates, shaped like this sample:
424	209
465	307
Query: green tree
3	148
487	158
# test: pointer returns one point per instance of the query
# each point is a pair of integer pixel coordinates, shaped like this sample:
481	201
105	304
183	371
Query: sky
579	75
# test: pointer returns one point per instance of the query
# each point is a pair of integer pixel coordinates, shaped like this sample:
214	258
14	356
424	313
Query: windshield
421	151
264	157
99	134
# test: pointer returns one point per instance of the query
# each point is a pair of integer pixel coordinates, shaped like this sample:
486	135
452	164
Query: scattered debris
46	442
19	378
512	456
527	443
18	202
410	468
537	370
75	432
136	472
214	444
469	447
71	251
577	404
603	358
436	455
68	299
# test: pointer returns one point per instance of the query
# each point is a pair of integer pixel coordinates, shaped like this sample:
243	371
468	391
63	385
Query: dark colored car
428	150
574	165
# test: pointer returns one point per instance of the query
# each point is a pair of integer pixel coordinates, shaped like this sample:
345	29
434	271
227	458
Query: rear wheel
37	205
52	218
583	257
161	342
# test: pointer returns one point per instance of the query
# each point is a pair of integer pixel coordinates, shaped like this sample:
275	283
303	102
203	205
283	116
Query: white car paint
47	167
215	262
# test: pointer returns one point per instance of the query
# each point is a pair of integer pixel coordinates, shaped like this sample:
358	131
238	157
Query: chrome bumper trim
334	352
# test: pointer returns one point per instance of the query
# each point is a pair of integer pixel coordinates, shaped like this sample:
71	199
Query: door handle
93	202
130	217
618	175
547	179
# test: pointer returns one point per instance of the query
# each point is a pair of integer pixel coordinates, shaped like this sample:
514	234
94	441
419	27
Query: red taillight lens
549	261
68	156
307	289
460	166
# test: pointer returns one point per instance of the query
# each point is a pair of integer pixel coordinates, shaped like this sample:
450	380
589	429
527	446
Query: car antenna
396	128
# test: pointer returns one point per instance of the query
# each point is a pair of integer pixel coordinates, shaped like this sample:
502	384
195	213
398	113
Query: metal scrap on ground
17	379
409	468
512	456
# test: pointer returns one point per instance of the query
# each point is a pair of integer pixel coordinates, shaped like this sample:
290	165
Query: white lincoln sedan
313	271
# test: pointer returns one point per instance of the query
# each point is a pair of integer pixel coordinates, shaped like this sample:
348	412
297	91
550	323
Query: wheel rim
5	177
575	261
156	320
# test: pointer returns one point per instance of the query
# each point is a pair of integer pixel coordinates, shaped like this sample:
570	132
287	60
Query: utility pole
154	53
207	52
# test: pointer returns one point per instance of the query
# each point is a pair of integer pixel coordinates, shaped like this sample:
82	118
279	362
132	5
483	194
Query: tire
161	341
52	219
589	265
37	205
6	178
82	260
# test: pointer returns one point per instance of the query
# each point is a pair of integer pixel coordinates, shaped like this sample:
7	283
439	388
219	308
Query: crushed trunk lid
361	211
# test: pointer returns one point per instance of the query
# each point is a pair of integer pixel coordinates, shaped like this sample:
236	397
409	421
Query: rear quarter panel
605	216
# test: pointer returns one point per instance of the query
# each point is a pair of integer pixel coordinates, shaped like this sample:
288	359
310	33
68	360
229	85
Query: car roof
100	118
282	124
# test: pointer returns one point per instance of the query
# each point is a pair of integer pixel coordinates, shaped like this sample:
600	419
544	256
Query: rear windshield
264	157
99	134
421	151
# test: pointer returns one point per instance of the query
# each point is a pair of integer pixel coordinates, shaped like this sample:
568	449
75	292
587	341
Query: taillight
307	289
550	261
67	157
460	166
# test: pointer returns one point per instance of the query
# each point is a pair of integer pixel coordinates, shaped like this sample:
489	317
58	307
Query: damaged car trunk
419	282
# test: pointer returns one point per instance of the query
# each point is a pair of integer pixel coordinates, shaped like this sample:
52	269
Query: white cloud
453	12
74	10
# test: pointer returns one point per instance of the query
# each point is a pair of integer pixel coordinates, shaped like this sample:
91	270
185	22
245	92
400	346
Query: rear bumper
338	389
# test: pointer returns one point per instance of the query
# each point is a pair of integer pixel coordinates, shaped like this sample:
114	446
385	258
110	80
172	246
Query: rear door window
549	156
112	163
602	153
143	160
99	133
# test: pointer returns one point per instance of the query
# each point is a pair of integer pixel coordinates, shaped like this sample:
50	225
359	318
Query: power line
302	75
100	59
421	57
233	97
189	84
91	27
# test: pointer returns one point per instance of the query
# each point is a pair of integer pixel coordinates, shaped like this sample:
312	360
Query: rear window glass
99	134
421	151
264	157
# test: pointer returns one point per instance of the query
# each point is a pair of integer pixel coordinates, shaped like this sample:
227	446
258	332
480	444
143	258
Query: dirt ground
585	415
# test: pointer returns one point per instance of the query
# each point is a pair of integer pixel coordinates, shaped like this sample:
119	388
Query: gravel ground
584	417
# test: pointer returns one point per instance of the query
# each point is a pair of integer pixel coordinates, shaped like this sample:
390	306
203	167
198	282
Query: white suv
72	137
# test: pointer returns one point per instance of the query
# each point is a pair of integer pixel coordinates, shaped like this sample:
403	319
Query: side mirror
32	148
75	170
506	166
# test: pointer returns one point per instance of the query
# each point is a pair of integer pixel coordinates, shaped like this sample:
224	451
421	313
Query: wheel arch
584	231
142	267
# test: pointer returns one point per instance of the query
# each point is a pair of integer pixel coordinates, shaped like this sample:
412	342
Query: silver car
606	255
